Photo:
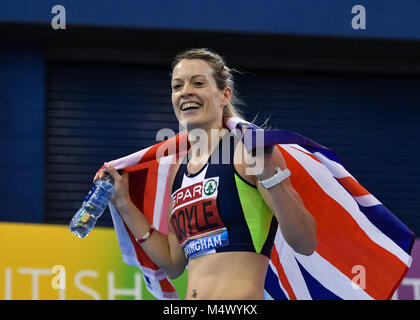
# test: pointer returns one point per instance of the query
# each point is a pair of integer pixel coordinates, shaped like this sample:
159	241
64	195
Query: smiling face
196	99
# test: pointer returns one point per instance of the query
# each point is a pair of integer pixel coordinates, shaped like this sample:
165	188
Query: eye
198	83
176	86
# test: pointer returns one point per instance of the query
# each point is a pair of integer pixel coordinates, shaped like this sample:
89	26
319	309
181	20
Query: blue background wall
385	19
22	104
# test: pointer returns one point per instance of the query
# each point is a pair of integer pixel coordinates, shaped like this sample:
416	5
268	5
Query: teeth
190	105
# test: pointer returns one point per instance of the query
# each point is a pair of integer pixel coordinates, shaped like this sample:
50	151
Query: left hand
121	182
260	160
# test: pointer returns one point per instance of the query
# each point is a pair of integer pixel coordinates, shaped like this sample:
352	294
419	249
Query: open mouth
190	106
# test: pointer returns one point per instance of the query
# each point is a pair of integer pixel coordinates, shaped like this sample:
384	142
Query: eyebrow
192	78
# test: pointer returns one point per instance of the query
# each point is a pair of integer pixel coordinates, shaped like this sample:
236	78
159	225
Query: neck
203	142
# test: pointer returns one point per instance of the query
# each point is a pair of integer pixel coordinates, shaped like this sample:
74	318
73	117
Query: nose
187	90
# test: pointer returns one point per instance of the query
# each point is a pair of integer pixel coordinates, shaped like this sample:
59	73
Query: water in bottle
93	206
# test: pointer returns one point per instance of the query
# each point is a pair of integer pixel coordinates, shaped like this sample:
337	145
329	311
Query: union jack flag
363	249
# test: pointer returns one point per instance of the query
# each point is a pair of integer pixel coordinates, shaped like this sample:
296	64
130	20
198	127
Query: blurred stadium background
99	89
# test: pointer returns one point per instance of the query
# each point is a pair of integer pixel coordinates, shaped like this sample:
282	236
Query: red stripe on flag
308	154
340	239
352	186
150	190
280	271
143	182
166	285
163	224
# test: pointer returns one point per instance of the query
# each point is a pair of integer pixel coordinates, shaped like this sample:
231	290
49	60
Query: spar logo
210	187
196	191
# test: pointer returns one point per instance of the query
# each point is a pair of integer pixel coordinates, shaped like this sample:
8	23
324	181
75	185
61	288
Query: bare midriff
236	275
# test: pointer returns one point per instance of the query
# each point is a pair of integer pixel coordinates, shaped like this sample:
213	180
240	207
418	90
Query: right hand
121	194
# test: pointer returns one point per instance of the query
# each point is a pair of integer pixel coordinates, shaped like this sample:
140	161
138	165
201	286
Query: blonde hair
222	74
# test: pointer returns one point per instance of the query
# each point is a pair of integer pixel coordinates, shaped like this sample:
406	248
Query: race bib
195	219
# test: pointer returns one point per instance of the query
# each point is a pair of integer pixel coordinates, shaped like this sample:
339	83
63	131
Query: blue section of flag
390	225
316	289
147	280
273	137
272	286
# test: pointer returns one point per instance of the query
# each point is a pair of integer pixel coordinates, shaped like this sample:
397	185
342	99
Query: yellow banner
48	262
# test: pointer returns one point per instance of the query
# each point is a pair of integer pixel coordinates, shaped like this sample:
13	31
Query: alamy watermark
200	140
359	20
58	282
59	20
359	280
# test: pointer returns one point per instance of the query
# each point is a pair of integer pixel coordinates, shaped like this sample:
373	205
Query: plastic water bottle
93	206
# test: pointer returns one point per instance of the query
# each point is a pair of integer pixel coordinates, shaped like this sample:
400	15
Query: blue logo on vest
206	244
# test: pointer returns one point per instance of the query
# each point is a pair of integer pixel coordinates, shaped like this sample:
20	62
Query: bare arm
164	250
295	221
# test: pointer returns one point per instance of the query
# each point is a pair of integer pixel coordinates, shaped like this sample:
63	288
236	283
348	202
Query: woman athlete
222	219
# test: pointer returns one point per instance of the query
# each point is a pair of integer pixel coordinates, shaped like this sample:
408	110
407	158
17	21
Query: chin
190	125
197	122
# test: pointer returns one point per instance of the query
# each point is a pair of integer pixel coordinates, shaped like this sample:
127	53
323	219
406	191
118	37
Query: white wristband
276	179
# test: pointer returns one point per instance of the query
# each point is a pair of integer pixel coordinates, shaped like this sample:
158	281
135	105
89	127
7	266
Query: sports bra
216	210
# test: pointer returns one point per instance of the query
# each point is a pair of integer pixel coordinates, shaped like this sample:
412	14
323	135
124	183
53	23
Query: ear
227	96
